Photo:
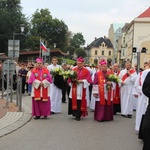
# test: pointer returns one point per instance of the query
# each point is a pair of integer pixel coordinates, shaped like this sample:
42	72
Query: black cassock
146	120
58	81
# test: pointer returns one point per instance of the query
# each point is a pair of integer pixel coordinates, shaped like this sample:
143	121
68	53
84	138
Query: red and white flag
43	47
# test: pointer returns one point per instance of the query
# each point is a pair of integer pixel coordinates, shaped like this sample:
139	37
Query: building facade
137	35
114	33
100	48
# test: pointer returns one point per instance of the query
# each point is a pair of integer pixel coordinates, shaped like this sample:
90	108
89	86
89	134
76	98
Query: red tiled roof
145	14
3	55
37	52
29	52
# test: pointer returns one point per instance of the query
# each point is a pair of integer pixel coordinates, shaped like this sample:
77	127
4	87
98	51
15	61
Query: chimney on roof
95	38
104	37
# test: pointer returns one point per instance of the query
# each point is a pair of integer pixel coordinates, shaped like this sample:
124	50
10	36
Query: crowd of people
91	88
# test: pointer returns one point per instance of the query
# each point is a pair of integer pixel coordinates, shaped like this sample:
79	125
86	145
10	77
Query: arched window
103	52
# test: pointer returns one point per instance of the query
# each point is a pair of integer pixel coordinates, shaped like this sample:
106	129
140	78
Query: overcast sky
90	17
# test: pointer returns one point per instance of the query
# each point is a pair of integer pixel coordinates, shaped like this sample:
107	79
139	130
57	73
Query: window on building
124	40
123	52
103	44
102	52
95	52
109	53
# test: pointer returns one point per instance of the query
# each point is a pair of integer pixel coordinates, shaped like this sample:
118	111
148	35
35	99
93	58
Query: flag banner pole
40	49
45	52
42	53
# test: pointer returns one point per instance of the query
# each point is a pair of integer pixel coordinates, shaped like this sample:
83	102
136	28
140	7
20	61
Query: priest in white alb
56	91
142	99
128	77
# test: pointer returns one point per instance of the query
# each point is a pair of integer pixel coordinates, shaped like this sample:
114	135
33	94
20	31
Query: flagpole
40	49
46	52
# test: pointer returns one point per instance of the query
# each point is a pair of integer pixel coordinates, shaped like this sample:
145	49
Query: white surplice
55	93
93	99
142	99
80	87
87	89
126	93
95	90
36	84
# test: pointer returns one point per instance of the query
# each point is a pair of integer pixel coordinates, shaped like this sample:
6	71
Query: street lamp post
22	26
138	52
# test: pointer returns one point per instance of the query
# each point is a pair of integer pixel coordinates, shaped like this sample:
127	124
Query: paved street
62	132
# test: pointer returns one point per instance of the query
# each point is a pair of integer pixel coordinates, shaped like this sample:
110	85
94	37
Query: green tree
31	43
41	21
77	40
71	50
10	17
80	52
49	29
69	36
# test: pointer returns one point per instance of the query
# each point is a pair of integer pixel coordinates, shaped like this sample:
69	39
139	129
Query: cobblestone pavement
10	118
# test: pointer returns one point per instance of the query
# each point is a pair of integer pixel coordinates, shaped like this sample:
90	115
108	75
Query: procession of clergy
132	92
